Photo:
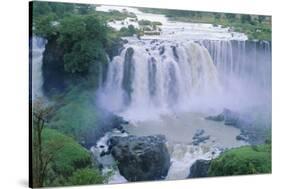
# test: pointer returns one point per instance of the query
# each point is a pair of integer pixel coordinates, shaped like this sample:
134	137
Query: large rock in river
199	168
141	158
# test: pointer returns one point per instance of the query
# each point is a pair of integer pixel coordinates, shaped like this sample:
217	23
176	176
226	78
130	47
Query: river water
168	83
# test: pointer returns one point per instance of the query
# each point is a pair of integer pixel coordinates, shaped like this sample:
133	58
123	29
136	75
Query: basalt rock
141	158
199	168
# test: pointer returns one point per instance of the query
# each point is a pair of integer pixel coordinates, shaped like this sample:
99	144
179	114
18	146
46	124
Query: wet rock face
106	122
199	168
129	71
141	158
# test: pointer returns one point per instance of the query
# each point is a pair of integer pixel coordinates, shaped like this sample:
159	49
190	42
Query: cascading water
244	69
159	76
248	60
168	84
152	82
38	48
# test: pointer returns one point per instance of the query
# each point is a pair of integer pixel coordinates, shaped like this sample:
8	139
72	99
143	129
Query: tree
230	16
83	39
42	154
245	18
261	18
217	15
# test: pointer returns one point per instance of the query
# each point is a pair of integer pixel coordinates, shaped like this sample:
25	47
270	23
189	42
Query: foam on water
168	83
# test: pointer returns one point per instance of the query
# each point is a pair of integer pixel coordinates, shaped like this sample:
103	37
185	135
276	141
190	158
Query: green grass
70	157
86	176
71	164
243	160
75	113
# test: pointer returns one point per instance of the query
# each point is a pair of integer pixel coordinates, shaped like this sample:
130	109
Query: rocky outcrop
106	122
199	137
199	168
249	132
229	117
116	47
55	79
141	158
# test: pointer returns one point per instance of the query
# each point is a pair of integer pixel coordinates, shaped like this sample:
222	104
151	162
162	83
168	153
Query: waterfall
248	60
152	76
159	75
244	69
38	48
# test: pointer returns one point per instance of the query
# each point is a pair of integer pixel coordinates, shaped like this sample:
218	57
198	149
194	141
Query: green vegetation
86	176
243	160
147	25
57	159
71	164
256	27
130	31
115	15
75	113
84	41
81	32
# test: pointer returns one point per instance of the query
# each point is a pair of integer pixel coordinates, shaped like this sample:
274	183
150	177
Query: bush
130	31
75	113
86	176
144	22
71	157
241	161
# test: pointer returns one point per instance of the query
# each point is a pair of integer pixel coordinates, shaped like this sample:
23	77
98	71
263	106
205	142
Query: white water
160	82
174	30
201	70
38	48
109	166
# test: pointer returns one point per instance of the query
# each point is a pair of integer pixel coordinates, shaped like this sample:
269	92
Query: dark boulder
116	47
161	50
228	116
141	158
199	137
242	137
106	122
199	168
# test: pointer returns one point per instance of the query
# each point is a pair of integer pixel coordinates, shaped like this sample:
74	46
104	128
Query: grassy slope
243	160
69	161
75	113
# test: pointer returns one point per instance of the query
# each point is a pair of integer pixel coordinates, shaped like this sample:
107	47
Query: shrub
243	160
86	176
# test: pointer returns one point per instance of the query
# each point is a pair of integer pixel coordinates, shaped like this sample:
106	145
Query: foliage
144	22
130	31
80	31
70	158
75	113
84	38
243	160
41	155
86	176
245	18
